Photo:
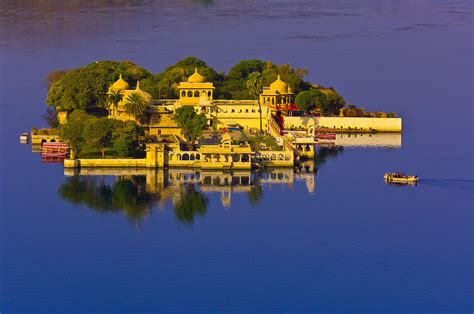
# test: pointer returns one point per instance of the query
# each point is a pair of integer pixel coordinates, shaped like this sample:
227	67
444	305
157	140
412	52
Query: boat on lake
400	177
326	136
55	150
24	138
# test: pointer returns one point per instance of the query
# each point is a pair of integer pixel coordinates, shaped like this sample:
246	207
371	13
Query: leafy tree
54	76
180	71
192	124
85	87
254	86
190	204
234	85
327	101
135	104
115	98
332	103
73	131
51	117
126	138
98	134
293	77
308	100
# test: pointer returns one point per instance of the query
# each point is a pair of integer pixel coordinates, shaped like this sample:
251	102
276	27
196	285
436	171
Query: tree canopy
85	87
98	133
73	131
192	124
327	101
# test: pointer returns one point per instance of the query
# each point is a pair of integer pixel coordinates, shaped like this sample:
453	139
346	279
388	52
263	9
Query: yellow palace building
199	93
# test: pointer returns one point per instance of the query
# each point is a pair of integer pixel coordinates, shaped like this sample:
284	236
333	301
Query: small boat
400	177
24	138
326	136
54	149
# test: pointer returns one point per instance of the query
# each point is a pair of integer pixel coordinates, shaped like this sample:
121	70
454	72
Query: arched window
190	94
185	156
232	110
196	94
268	99
198	157
246	111
209	93
183	94
253	110
273	101
191	157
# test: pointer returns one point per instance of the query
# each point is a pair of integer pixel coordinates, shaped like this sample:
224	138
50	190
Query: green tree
135	104
51	117
191	123
180	71
126	138
86	87
73	131
190	203
326	100
115	98
308	100
254	86
98	134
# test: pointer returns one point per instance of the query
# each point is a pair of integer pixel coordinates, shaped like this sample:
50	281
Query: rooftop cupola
196	77
119	85
279	85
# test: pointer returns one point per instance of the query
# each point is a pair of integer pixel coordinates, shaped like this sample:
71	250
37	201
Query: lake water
331	238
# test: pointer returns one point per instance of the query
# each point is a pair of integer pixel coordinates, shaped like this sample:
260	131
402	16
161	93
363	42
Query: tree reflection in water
255	195
189	204
325	153
127	194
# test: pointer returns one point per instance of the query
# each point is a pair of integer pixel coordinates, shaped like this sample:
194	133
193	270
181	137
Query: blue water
351	244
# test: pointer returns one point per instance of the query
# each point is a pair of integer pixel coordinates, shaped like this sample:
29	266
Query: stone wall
346	123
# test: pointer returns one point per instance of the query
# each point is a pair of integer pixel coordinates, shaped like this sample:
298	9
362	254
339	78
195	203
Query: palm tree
136	104
115	98
254	86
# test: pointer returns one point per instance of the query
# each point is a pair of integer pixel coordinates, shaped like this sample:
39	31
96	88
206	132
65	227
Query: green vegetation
85	88
126	138
254	87
98	133
51	117
115	98
192	124
136	104
326	101
84	132
260	142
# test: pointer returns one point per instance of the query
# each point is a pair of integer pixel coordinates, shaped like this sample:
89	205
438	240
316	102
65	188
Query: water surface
332	238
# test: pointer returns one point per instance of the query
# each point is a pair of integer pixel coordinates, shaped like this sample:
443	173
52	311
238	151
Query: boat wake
465	186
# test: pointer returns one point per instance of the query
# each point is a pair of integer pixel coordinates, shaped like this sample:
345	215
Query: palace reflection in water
135	192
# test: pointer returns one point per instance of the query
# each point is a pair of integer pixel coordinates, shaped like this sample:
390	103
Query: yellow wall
104	163
344	123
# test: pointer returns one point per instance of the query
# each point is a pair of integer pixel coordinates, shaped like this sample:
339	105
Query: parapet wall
346	123
105	163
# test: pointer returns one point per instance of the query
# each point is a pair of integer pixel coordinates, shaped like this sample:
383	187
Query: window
183	94
190	94
196	94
